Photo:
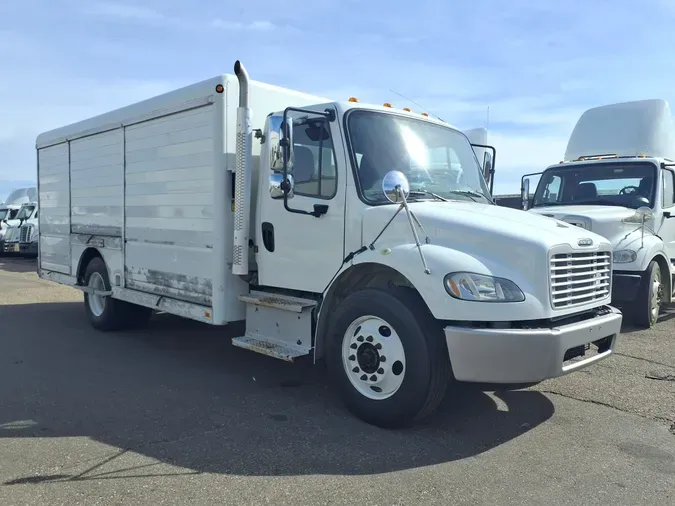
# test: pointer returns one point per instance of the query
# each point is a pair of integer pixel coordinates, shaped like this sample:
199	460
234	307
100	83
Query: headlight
480	288
624	256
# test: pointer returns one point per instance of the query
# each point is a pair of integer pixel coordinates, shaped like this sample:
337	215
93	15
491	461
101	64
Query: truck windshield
3	214
627	184
25	212
434	158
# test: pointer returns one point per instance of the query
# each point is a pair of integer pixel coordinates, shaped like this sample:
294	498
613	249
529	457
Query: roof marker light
407	109
353	99
425	114
386	104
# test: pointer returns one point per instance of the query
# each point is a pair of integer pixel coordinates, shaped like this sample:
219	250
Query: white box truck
331	229
617	179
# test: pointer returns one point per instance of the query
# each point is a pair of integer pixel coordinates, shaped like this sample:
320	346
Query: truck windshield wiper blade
469	193
421	193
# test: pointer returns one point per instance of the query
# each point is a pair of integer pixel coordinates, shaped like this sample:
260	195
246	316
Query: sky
537	65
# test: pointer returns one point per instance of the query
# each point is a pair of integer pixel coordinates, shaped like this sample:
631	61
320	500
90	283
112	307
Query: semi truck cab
617	180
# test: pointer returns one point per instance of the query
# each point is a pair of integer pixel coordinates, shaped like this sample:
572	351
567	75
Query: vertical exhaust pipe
242	193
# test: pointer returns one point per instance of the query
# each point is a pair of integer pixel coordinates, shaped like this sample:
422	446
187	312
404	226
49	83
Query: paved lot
174	414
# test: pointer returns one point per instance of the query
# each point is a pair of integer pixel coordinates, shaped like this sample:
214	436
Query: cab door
300	234
667	228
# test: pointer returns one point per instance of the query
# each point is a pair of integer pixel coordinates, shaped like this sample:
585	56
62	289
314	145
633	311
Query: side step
277	325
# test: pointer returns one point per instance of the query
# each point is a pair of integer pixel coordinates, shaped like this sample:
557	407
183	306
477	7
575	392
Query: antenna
487	120
418	105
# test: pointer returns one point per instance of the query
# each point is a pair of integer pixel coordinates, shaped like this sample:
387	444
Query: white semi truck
232	200
617	179
9	210
20	230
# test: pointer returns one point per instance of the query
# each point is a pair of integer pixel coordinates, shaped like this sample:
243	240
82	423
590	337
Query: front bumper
28	248
626	285
511	356
10	247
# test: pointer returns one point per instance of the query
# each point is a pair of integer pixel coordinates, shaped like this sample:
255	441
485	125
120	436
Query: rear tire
650	298
104	312
413	376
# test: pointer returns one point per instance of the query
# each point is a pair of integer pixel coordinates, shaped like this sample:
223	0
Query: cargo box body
150	186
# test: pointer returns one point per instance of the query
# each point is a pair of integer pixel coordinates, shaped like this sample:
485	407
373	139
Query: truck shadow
17	264
180	393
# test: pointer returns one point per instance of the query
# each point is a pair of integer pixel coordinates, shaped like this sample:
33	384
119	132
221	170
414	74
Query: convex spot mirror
395	186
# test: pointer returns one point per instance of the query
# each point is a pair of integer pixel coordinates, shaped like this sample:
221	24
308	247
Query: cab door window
314	168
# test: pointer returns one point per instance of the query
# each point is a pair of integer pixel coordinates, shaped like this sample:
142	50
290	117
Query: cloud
536	65
123	11
237	25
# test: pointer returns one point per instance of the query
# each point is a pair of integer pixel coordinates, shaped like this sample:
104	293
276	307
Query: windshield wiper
470	193
421	193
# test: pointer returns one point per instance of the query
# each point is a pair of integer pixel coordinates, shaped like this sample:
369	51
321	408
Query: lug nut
360	339
373	378
378	346
356	369
383	358
353	346
352	357
380	371
369	339
364	377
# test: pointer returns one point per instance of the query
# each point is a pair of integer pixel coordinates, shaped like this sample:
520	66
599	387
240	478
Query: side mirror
487	167
278	187
395	186
525	193
280	137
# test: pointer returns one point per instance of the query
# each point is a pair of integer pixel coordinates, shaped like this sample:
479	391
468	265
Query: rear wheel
650	299
104	312
387	357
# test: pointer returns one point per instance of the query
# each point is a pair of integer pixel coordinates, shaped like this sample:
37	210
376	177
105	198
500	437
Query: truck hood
596	213
602	220
477	226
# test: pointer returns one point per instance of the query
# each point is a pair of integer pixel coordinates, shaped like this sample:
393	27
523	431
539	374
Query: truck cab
20	229
29	233
8	214
617	180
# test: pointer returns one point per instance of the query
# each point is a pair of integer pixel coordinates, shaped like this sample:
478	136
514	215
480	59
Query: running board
277	325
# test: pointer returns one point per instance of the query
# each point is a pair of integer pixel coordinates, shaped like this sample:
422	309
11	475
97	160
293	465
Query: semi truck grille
580	278
26	232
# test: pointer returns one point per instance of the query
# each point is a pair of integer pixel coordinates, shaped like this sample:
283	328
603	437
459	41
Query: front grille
580	278
26	232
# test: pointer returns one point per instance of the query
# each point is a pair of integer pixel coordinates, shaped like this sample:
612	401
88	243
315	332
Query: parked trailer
617	180
300	219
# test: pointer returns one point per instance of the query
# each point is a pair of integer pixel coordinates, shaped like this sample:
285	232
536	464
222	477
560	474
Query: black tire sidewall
410	398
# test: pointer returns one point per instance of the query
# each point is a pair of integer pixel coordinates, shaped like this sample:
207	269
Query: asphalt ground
173	414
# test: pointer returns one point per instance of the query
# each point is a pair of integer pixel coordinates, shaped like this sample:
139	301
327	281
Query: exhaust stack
242	193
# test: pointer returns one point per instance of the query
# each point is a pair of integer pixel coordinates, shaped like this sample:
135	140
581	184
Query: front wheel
387	357
650	300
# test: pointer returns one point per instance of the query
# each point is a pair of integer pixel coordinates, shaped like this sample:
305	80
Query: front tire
104	312
650	299
387	357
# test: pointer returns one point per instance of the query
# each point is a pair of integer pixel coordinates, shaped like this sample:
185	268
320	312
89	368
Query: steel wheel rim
655	294
373	357
96	302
